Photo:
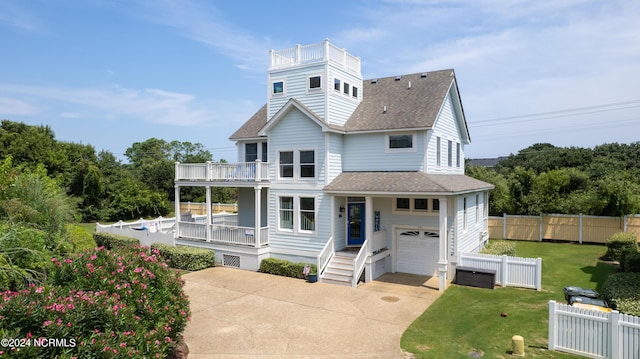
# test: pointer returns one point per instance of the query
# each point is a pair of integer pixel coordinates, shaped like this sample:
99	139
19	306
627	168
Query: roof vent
384	109
409	85
398	78
423	75
374	81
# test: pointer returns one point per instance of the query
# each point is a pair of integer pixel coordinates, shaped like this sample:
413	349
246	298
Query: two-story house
362	177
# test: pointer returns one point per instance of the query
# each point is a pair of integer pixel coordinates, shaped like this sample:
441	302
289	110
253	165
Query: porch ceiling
404	183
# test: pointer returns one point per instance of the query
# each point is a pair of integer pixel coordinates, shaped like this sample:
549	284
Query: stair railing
325	256
358	263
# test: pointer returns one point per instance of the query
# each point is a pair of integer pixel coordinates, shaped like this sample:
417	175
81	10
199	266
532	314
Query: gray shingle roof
405	182
415	107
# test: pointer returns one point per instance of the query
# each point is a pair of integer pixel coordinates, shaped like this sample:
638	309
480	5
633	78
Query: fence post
539	274
614	326
552	325
504	226
503	268
580	239
624	223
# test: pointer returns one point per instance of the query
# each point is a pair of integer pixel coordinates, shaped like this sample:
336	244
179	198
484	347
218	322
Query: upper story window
416	205
315	82
336	84
297	164
264	152
278	88
346	88
458	154
355	92
450	154
438	152
250	152
404	142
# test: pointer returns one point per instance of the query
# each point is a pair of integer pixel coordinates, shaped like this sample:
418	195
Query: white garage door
417	251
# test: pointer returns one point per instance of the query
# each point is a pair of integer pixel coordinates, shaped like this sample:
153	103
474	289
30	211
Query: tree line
543	178
98	186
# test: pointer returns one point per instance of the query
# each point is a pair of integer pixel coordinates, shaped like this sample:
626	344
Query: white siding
340	106
468	240
366	152
335	154
445	127
296	86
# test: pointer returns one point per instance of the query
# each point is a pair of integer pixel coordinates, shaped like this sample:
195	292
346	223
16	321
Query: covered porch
247	228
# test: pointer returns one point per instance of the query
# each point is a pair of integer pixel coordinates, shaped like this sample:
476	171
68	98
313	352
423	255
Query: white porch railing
510	271
359	262
220	233
325	256
593	333
379	241
318	52
223	172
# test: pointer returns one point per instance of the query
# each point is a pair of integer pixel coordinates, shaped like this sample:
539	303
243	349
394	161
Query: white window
406	205
438	151
286	213
458	154
336	84
346	89
250	152
354	92
315	82
277	87
477	209
297	214
464	213
402	142
298	164
265	158
450	154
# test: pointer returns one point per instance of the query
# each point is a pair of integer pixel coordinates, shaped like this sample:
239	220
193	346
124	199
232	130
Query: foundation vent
230	261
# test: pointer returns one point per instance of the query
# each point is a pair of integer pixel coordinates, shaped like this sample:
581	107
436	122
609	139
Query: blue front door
355	230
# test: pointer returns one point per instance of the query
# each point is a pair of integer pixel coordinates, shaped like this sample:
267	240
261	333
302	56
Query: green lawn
466	320
89	227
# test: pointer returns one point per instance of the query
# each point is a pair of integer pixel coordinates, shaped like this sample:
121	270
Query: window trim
297	214
458	154
297	166
438	151
337	81
354	92
314	89
414	142
449	153
292	164
346	88
284	88
412	207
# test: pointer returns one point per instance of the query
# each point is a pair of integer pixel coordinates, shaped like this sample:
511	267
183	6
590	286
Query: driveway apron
243	314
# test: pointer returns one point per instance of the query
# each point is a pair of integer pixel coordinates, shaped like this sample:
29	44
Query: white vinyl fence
159	230
593	333
510	271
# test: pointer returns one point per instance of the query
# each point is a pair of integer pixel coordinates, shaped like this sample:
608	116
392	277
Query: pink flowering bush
101	304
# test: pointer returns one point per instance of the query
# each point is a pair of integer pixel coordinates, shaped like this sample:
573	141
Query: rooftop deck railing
306	54
223	172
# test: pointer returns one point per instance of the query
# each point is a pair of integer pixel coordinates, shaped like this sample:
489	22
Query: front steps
340	269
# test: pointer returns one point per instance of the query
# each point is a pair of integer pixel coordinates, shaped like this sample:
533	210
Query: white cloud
12	107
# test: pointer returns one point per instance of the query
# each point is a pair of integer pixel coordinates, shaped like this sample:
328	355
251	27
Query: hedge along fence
576	228
110	241
186	258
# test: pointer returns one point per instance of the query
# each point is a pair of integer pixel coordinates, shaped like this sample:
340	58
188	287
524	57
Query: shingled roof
407	106
404	182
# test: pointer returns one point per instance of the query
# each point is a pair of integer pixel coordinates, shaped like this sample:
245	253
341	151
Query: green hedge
620	243
622	291
285	268
186	258
631	262
110	241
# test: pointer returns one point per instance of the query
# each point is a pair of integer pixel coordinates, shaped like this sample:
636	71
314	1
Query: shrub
186	258
284	268
622	291
619	243
79	239
112	304
500	248
23	256
631	262
111	241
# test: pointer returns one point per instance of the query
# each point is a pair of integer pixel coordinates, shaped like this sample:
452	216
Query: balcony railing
306	54
224	234
223	172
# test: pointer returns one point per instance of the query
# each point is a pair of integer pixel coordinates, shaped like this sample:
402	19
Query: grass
465	320
89	227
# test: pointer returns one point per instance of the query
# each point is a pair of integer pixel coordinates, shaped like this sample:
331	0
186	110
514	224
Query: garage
417	251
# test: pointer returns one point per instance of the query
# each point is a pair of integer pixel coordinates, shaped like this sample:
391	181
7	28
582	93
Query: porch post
209	213
176	205
368	234
442	254
256	232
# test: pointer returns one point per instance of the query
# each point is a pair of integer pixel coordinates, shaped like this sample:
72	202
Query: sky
110	73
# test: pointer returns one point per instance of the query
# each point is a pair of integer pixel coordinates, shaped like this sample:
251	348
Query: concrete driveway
243	314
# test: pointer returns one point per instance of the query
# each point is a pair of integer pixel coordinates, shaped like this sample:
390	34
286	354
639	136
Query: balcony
224	173
223	234
314	53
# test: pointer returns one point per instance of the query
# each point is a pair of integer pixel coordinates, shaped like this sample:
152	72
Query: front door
356	224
